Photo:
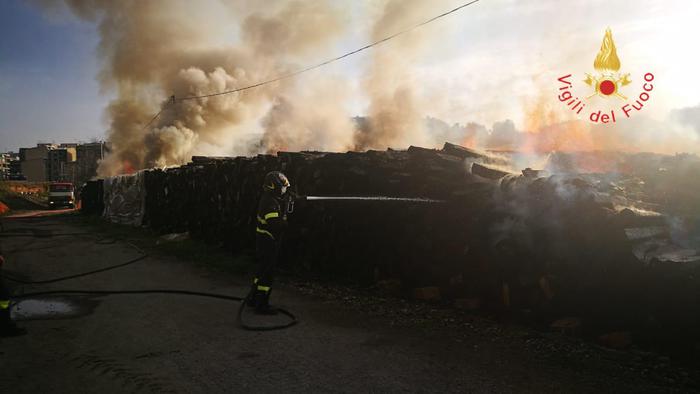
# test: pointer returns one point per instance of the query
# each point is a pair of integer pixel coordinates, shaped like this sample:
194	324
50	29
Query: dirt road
173	343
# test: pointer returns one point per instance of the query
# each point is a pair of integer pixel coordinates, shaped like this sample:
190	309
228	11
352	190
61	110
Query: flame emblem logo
609	81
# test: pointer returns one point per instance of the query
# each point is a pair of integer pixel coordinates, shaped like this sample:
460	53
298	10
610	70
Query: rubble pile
612	251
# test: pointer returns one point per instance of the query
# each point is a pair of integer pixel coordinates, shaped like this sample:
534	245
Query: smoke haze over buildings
150	50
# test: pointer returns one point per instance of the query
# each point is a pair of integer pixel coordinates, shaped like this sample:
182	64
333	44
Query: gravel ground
349	340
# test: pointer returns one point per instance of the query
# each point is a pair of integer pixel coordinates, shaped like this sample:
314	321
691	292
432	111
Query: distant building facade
76	163
34	162
69	172
9	165
88	159
57	161
16	170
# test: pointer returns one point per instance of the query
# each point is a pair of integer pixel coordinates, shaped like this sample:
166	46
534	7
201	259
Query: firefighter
271	224
7	326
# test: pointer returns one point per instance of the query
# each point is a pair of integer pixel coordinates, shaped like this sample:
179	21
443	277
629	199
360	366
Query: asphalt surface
183	344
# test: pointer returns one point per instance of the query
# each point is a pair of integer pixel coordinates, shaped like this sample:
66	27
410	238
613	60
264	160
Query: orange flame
128	168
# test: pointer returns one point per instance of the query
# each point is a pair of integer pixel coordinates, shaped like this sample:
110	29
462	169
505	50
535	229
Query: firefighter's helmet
276	182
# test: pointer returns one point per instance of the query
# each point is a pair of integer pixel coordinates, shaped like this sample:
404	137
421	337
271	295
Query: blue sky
48	90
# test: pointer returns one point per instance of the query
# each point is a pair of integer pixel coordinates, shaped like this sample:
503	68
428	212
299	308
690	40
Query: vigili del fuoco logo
607	84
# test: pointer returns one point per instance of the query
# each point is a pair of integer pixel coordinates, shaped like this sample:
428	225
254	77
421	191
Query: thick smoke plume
395	110
152	50
309	120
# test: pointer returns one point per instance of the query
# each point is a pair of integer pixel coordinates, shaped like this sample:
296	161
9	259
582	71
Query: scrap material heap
610	238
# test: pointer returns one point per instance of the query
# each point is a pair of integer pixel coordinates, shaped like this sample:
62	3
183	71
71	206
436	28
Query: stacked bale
124	198
547	245
91	201
215	200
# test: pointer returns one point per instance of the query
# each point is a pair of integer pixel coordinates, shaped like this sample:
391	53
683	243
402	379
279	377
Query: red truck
61	194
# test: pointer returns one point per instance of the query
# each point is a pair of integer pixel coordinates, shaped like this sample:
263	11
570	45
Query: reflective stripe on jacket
270	220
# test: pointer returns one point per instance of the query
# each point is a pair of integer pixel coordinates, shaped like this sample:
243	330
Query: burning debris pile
216	199
614	248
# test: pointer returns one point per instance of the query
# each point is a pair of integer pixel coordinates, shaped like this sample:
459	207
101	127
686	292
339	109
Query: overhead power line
155	116
171	100
313	67
335	59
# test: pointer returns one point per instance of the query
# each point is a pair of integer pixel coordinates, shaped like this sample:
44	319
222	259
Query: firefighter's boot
8	328
262	303
250	299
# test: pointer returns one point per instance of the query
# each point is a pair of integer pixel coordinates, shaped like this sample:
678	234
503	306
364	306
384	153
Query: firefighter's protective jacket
271	218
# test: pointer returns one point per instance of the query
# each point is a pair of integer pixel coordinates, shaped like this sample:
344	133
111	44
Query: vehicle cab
61	195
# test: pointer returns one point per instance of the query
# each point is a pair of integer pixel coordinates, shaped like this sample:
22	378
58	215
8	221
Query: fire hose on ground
43	234
39	233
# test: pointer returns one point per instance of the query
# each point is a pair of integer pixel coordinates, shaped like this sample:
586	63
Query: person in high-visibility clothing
271	224
8	328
